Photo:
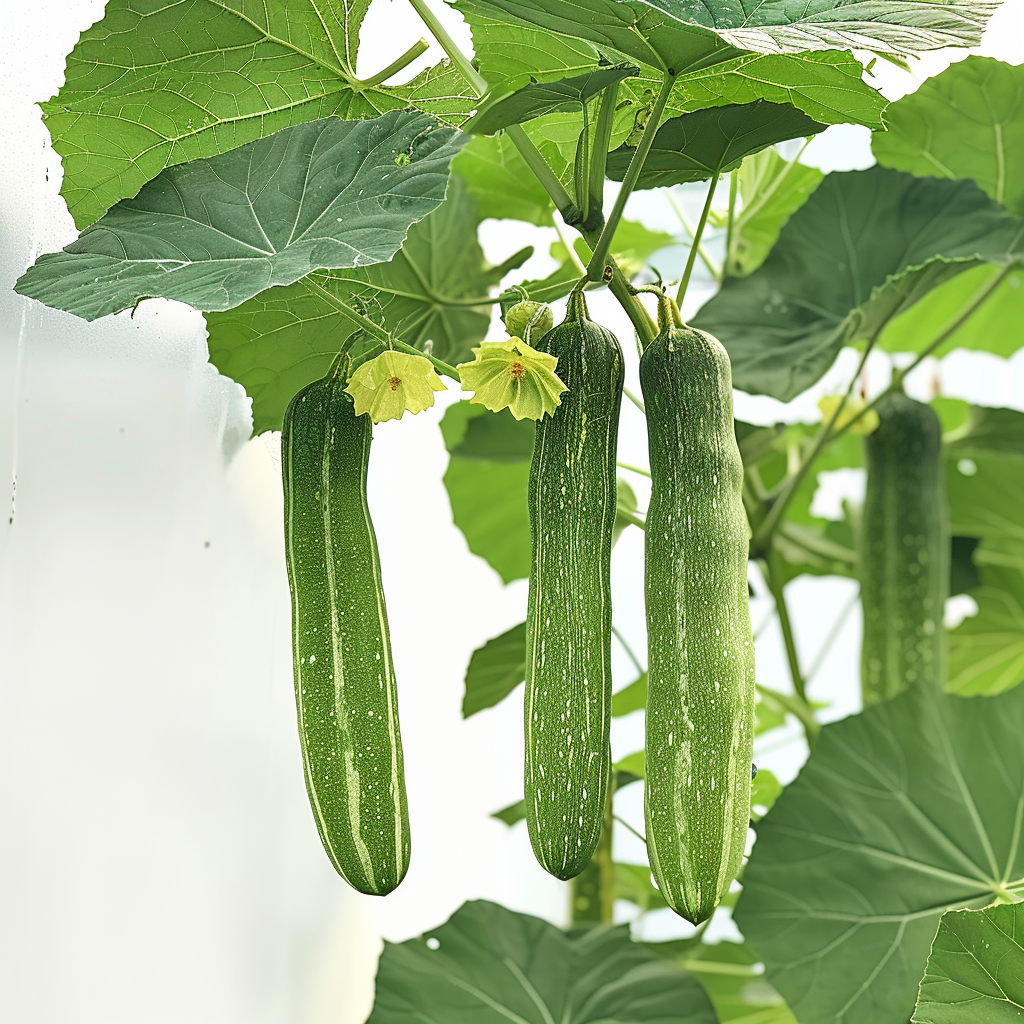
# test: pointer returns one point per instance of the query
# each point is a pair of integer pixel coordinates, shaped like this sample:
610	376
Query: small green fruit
529	320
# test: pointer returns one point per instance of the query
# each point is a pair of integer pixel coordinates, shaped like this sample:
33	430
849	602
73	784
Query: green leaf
501	183
986	651
498	111
512	814
987	329
909	26
495	670
633	882
284	338
976	968
967	122
700	145
986	495
630	698
866	246
771	190
216	232
487	481
895	818
632	763
159	82
733	978
489	965
988	429
764	791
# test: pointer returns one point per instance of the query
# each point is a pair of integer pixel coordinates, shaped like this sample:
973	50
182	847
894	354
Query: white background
158	862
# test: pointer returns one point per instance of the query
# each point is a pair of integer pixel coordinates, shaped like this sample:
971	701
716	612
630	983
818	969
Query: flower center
394	382
517	370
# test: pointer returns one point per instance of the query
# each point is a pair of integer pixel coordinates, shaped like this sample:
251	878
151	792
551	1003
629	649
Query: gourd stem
534	159
636	401
695	246
417	49
354	317
602	140
595	270
457	57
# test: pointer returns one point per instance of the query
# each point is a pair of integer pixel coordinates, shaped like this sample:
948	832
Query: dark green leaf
866	246
512	814
487	484
495	670
986	495
216	232
733	978
967	122
489	965
633	882
771	190
896	817
284	338
963	572
700	145
975	971
540	98
160	82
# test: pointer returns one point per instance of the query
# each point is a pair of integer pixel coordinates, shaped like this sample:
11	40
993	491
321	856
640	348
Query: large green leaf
547	40
160	82
941	315
771	190
536	99
976	969
986	495
487	479
489	965
733	978
866	246
216	232
501	183
700	145
989	430
986	651
282	339
914	807
904	26
495	670
967	122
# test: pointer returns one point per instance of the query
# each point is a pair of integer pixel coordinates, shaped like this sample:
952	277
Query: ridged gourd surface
568	627
700	702
344	676
904	551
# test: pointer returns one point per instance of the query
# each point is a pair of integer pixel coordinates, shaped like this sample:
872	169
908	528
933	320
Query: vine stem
455	55
635	400
595	269
416	50
626	825
714	271
773	577
629	650
634	469
695	246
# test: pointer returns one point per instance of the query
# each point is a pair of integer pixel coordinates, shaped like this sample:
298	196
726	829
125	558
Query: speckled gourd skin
344	677
904	551
568	622
700	696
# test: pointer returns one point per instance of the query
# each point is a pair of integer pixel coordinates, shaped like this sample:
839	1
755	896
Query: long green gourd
344	677
700	697
568	623
904	551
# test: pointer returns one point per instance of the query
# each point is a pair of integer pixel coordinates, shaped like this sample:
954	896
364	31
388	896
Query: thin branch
714	271
417	49
634	469
701	225
626	825
597	262
629	650
599	157
636	401
773	577
457	57
833	633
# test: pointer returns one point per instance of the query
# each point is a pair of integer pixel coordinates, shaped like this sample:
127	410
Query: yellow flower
511	375
867	424
392	384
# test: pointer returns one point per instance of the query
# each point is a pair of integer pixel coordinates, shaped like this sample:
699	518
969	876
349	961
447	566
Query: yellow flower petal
393	384
867	424
512	375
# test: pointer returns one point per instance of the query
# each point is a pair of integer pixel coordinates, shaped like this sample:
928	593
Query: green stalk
534	159
599	157
417	49
773	577
695	247
734	185
439	364
595	271
581	168
634	469
708	262
457	57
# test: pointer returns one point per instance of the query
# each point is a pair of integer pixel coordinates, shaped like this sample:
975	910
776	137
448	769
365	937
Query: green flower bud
529	320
